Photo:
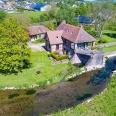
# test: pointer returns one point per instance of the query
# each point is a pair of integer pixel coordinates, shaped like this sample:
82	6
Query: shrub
88	27
42	83
56	53
53	53
51	80
102	41
49	55
1	87
110	26
55	56
93	33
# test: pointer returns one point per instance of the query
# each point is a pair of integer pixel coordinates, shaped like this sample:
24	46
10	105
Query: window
56	36
72	45
71	33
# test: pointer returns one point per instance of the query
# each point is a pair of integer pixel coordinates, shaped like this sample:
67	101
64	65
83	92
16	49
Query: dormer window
67	30
56	36
71	33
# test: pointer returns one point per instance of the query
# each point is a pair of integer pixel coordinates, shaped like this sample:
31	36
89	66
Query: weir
96	61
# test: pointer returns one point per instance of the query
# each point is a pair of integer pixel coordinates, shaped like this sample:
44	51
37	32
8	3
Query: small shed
75	59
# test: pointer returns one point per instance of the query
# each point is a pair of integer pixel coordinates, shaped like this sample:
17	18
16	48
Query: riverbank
60	96
101	105
50	99
110	54
71	75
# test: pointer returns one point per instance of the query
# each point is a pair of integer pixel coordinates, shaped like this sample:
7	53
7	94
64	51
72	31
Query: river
56	97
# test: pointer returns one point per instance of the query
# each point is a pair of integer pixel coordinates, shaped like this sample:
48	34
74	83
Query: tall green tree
66	13
103	11
50	25
23	19
14	52
3	14
81	10
44	17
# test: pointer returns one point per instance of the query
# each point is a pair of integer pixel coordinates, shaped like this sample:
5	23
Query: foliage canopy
2	15
14	53
66	13
23	19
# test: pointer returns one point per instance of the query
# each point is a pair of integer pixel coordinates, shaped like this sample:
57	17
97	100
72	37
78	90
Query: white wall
46	8
53	48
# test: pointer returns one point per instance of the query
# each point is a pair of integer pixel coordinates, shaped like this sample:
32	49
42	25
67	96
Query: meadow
40	62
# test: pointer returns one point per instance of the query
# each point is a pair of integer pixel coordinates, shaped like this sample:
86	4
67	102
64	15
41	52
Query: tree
103	12
14	52
66	13
81	10
52	14
44	17
22	19
50	25
2	15
21	10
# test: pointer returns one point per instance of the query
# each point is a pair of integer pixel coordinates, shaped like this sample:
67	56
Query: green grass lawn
28	77
41	40
102	105
108	31
34	14
107	38
108	49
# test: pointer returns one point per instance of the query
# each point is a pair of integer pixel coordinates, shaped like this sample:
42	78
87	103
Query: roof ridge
71	25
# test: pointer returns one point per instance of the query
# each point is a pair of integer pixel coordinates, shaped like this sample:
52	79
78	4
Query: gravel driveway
36	47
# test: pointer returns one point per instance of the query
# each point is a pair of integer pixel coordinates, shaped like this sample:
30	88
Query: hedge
102	41
55	56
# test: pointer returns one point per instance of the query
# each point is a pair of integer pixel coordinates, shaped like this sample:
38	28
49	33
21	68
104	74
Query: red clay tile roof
36	30
75	34
55	37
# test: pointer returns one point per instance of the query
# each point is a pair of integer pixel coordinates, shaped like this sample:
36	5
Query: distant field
34	14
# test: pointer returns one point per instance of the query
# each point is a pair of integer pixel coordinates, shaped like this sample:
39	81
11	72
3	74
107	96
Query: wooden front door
57	47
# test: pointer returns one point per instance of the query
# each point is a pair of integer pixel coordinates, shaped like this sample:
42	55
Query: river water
56	97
